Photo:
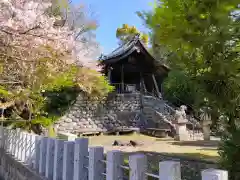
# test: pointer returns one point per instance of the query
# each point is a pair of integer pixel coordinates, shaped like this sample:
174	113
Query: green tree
126	33
205	37
178	89
39	63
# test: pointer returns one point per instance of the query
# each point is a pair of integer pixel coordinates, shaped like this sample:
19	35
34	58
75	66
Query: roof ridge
135	38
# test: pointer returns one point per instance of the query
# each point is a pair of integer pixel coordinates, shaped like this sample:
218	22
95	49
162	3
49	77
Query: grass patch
155	146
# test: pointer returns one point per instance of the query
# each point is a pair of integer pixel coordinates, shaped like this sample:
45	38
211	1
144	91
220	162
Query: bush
179	89
229	150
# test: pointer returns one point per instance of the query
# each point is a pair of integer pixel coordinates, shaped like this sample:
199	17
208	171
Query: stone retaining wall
118	111
11	169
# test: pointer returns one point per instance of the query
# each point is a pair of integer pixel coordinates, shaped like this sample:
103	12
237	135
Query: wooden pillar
156	86
122	79
109	74
143	83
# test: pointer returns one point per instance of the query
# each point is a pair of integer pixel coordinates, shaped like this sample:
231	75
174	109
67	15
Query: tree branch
10	82
33	28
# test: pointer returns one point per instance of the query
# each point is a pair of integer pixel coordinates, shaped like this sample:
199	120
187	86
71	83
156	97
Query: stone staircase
118	113
157	110
158	114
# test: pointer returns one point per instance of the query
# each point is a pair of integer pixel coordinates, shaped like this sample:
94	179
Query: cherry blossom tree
40	53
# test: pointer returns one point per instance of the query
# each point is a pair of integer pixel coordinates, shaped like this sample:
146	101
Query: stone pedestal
181	132
206	129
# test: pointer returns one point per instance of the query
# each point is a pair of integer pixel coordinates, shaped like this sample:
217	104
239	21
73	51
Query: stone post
80	159
138	167
206	123
169	170
114	162
68	160
206	129
181	132
58	159
50	158
214	174
180	124
96	166
43	153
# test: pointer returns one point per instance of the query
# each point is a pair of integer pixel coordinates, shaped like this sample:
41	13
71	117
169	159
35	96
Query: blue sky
111	14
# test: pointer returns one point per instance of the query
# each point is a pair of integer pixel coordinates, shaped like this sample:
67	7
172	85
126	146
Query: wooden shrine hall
132	68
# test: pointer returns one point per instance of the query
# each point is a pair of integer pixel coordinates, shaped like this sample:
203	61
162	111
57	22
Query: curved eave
119	57
118	54
149	55
126	50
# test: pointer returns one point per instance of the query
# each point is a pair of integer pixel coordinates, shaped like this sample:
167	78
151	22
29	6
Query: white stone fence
55	159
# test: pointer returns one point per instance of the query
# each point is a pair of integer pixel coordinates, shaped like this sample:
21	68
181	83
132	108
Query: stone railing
168	111
17	151
27	156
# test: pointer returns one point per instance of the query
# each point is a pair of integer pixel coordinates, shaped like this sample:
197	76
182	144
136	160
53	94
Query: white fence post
138	167
20	145
32	157
214	174
58	160
50	158
4	139
7	142
28	146
1	136
80	159
11	141
2	160
14	141
24	146
114	162
68	160
96	166
43	153
17	143
37	152
169	170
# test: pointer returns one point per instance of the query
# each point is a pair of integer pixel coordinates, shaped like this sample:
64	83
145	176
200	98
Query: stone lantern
206	123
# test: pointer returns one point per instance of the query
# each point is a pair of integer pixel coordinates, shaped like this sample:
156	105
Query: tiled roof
122	49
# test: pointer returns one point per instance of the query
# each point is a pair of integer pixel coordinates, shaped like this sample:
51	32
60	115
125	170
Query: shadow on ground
194	157
200	143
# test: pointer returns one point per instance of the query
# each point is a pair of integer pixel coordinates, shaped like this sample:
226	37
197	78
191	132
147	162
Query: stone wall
12	169
116	112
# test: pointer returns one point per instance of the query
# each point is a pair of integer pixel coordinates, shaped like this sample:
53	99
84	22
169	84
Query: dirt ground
204	150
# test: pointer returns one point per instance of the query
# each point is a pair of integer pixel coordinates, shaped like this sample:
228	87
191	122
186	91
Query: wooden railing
126	88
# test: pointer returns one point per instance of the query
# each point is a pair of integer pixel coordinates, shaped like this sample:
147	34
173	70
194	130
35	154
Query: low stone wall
11	169
118	111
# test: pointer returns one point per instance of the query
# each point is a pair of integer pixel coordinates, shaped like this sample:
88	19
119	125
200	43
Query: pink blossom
25	25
